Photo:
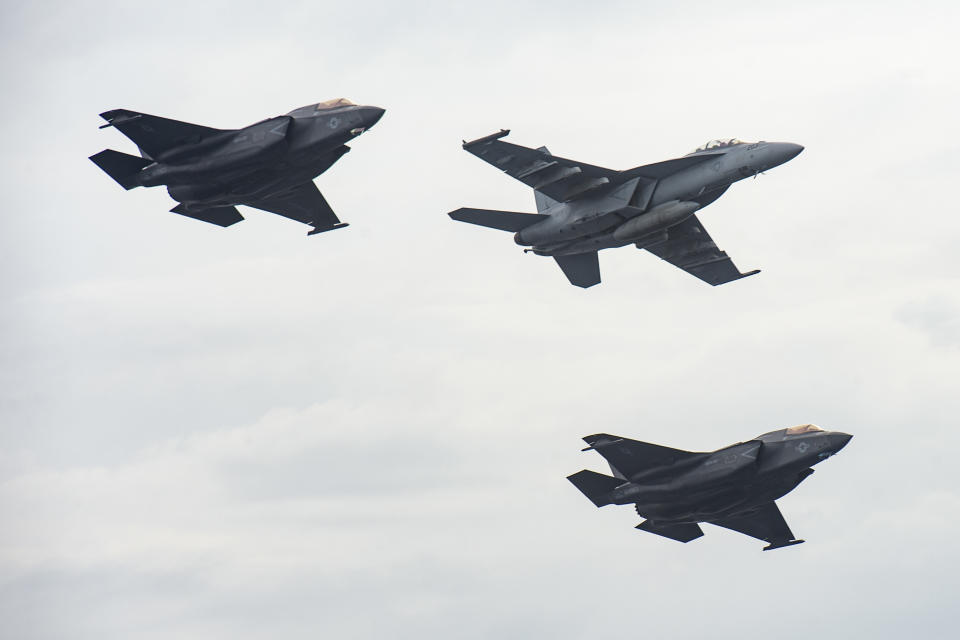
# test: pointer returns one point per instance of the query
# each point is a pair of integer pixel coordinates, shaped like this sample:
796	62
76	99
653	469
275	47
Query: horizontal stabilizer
122	167
221	216
595	486
503	220
679	532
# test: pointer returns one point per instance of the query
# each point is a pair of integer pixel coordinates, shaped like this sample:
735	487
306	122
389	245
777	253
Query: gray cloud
246	433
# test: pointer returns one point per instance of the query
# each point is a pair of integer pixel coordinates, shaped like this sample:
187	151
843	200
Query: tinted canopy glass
802	428
713	144
334	104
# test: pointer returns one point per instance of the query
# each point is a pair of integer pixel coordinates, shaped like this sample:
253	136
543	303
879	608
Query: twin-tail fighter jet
734	487
269	165
583	208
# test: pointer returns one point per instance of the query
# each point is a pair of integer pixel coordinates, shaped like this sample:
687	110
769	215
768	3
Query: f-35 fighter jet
269	165
583	208
734	487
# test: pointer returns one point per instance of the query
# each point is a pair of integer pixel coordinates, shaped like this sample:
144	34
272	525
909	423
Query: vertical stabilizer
581	269
544	201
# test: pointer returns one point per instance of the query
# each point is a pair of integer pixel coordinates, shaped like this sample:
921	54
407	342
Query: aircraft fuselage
258	161
602	220
730	480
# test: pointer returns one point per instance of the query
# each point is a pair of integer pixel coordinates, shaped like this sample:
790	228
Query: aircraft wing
558	178
764	523
628	457
690	247
304	204
155	135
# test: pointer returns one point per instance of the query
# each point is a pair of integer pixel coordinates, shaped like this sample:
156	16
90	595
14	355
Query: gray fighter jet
269	165
734	487
583	208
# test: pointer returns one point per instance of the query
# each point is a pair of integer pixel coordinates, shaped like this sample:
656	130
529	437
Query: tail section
121	167
543	201
581	269
595	486
631	457
504	220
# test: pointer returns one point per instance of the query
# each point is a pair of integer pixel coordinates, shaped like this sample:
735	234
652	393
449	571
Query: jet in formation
583	208
269	165
735	487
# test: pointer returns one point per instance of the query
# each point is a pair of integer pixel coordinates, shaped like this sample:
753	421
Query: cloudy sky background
248	433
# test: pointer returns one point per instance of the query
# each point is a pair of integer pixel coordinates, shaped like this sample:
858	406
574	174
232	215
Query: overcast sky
248	433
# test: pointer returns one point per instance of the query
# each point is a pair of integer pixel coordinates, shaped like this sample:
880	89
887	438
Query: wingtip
780	545
490	138
317	230
599	439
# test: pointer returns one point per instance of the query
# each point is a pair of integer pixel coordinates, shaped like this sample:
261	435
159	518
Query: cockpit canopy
713	144
801	428
326	105
335	103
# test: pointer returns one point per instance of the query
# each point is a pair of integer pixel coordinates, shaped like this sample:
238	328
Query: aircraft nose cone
787	151
372	115
841	440
780	152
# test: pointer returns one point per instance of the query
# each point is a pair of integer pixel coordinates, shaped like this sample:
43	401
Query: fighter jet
735	487
583	208
269	165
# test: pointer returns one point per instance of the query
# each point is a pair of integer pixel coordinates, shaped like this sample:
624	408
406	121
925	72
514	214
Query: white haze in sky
247	433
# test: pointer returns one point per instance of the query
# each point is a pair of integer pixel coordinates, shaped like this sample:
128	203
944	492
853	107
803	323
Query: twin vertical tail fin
595	486
121	167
